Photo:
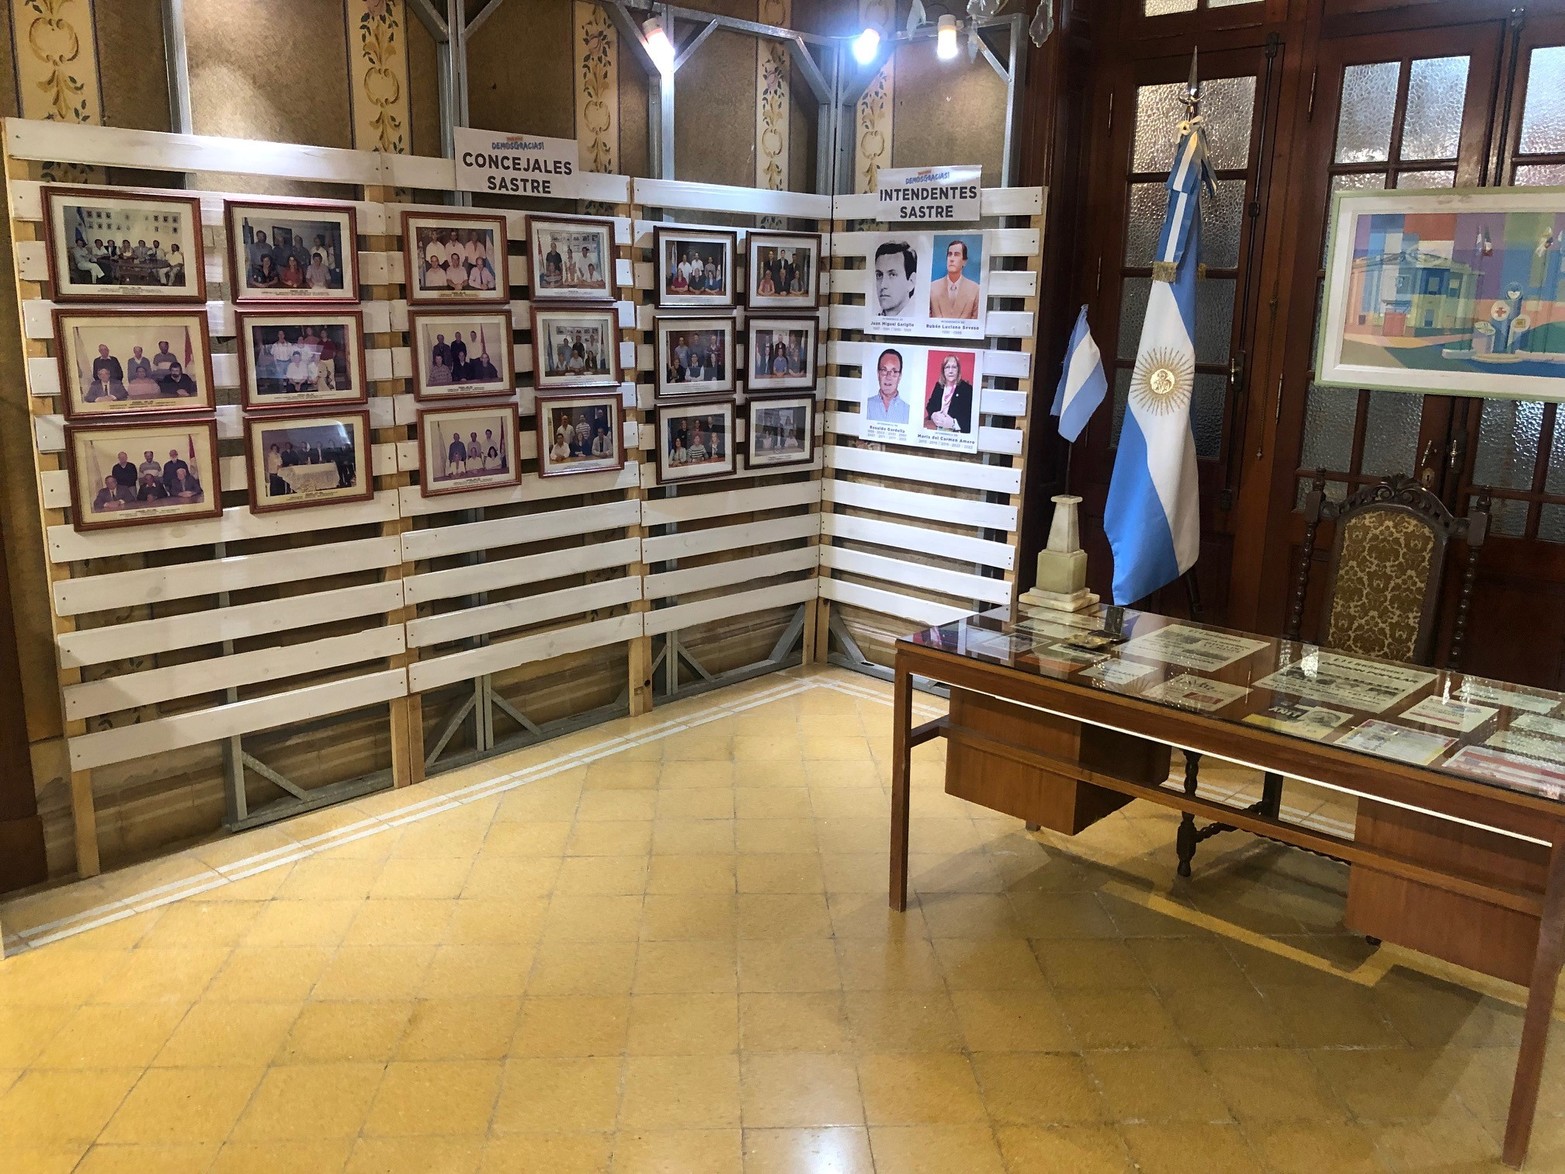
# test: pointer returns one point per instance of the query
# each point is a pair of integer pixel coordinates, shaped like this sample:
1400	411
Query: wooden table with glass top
1459	847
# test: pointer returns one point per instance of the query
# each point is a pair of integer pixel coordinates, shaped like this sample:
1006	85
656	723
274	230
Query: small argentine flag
1153	516
1082	384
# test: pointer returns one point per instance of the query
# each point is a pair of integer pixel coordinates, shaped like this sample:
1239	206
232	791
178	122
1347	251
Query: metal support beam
484	14
177	55
432	20
695	43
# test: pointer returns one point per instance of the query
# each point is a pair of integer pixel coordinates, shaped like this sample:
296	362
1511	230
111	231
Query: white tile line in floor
212	877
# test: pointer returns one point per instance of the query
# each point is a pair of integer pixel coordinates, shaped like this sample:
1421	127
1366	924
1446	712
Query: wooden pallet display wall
725	551
503	580
176	636
912	536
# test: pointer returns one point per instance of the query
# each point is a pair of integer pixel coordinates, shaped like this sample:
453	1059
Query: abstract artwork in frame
1453	292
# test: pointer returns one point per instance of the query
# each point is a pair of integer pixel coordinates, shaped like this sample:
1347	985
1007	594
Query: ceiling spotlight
659	47
945	38
866	45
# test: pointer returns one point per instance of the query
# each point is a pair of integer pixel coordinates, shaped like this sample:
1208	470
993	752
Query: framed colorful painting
1450	292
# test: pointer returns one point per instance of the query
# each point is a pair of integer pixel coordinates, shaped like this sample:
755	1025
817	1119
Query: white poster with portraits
928	283
923	396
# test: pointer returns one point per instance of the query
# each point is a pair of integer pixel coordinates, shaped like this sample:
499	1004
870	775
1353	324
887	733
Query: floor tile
683	1025
543	1095
680	1092
459	1029
359	1031
307	1102
1078	1149
1197	1148
1038	1088
793	1022
919	1089
557	1153
106	1035
219	1034
416	1155
1012	1021
46	1109
136	1159
678	1151
790	1151
1149	1084
571	1025
444	1097
182	1105
800	1089
936	1149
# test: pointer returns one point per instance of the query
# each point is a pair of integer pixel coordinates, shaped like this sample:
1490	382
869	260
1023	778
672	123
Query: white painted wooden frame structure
179	635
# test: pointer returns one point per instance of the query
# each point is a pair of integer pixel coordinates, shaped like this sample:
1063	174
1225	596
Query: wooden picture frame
767	440
553	414
672	425
570	282
94	209
312	430
499	459
672	246
347	378
784	247
798	356
426	234
143	385
494	331
99	479
334	227
670	334
552	371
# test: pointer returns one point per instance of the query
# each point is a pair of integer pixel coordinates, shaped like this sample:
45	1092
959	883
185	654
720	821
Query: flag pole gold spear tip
1192	98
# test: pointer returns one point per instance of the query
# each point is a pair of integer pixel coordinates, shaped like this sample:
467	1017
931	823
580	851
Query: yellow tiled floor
663	945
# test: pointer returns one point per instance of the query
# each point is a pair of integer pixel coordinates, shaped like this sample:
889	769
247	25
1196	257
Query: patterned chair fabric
1384	576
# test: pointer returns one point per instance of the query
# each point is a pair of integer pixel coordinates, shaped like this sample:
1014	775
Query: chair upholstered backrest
1388	562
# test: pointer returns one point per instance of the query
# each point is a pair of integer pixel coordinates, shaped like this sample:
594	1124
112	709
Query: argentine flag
1082	384
1153	516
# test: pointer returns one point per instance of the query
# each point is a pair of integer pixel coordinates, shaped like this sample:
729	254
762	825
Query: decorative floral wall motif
57	69
380	75
597	87
873	124
773	75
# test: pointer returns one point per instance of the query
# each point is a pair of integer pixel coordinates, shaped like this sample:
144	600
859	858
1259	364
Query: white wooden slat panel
968	474
27	204
649	471
688	580
531	489
236	525
507	654
512	572
43	376
689	543
904	537
904	503
157	584
145	637
906	574
243	668
997	364
122	147
689	615
1001	441
733	501
226	721
992	401
711	197
645	274
495	533
908	607
998	242
56	483
516	613
32	260
997	324
991	202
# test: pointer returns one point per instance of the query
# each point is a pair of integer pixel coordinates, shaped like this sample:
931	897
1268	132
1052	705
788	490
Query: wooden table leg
901	780
1540	1010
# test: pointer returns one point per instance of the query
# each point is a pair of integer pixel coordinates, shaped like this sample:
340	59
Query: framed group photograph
293	251
298	461
783	270
571	258
455	257
575	346
116	243
695	267
779	430
115	362
782	352
580	433
1446	292
695	356
467	448
458	354
290	359
695	441
137	471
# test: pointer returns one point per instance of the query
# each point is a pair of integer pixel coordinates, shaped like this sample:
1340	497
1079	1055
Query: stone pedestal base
1056	601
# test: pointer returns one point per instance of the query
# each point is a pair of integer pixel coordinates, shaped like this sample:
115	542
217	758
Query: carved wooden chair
1388	562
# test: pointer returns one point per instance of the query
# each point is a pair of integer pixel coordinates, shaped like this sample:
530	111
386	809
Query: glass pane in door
1369	110
1436	89
1543	115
